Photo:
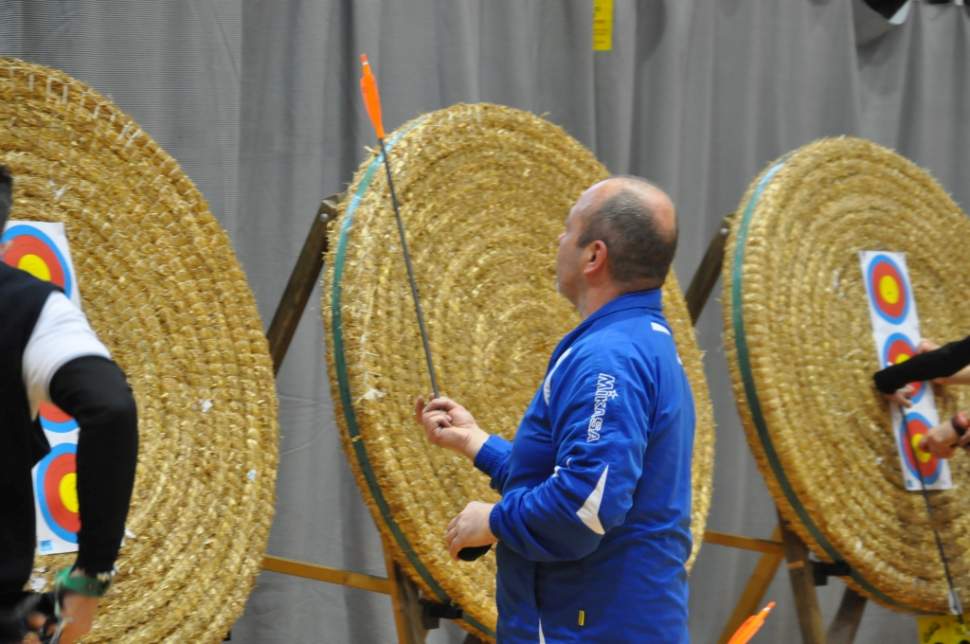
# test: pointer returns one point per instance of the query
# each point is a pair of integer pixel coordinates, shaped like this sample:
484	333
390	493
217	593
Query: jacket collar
649	299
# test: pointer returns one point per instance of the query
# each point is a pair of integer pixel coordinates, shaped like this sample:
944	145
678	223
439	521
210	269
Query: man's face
569	255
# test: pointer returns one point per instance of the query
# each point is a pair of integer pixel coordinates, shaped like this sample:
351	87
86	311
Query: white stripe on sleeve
590	512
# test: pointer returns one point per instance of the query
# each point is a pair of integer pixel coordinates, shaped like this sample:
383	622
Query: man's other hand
470	528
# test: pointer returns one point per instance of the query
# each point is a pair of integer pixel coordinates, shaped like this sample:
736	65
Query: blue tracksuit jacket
594	521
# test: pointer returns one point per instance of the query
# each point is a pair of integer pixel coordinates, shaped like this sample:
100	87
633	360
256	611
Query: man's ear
596	254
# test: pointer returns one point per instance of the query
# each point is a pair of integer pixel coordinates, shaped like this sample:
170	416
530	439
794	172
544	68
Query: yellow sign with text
602	25
942	629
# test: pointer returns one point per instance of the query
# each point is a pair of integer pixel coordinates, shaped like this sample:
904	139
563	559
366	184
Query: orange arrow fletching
751	626
372	99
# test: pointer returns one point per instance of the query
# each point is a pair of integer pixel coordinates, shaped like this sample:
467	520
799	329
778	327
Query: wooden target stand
804	572
415	615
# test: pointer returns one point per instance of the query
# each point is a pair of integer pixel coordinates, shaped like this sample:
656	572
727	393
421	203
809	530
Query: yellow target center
888	289
921	456
35	266
902	357
68	491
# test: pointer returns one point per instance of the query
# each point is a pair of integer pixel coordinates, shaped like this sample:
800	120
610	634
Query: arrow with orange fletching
372	102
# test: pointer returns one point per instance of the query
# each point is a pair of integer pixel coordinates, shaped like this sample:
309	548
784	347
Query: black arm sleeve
95	392
945	361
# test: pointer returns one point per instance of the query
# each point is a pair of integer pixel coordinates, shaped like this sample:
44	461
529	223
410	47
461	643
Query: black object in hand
473	553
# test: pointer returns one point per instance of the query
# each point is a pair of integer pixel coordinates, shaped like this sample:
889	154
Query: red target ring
53	419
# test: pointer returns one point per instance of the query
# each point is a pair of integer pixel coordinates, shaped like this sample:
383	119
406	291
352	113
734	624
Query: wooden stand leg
707	273
404	599
803	587
754	591
304	277
846	622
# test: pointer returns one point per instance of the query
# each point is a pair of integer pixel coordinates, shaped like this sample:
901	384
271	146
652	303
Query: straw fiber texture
484	191
800	346
163	290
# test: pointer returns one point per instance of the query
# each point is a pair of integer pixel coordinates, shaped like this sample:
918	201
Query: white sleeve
61	334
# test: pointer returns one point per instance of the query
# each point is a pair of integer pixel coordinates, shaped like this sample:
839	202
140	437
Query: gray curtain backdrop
258	101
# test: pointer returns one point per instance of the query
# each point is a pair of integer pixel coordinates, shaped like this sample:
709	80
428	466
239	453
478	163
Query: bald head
637	222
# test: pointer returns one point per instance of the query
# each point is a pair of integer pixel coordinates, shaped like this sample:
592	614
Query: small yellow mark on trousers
582	618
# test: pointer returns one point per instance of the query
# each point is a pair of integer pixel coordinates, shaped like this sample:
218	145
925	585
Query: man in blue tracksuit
593	528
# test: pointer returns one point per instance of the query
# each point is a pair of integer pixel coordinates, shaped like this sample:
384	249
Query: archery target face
887	289
33	250
897	349
912	430
52	419
895	331
55	482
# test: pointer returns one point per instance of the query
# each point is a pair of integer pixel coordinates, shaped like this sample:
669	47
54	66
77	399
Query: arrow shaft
418	311
955	606
372	101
